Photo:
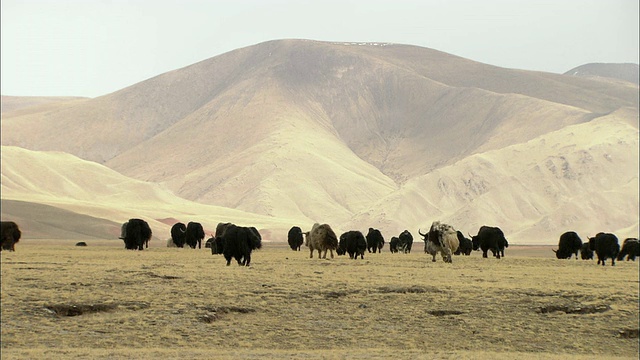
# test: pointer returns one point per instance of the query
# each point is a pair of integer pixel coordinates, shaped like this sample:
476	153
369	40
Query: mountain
33	103
625	72
72	198
359	135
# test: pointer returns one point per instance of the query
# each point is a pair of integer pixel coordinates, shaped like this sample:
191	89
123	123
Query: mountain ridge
308	130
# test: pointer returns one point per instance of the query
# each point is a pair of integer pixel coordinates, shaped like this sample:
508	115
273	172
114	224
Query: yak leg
311	255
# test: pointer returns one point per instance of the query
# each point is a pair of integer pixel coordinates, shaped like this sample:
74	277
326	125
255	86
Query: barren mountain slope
19	105
582	178
84	187
303	131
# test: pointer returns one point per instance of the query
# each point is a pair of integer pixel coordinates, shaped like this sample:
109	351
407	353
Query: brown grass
103	302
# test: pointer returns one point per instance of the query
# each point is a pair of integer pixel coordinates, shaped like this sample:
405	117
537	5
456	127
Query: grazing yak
295	238
585	252
393	244
405	242
81	243
569	244
136	233
630	249
606	247
441	238
9	235
466	246
194	235
375	241
353	243
321	238
239	242
178	234
490	238
218	239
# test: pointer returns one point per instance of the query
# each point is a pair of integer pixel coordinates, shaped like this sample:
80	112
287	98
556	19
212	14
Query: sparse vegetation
104	302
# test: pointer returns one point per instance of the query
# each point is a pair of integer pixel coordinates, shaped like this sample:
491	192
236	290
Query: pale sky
95	47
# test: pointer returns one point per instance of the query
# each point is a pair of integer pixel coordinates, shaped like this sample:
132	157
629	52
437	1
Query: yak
136	233
569	244
585	252
321	238
218	242
405	242
9	235
239	242
375	241
441	238
466	246
393	244
353	243
490	238
194	235
295	238
630	249
178	234
606	246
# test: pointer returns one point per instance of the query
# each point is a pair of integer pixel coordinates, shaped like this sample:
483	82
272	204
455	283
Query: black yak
490	238
9	235
295	238
194	235
375	241
466	246
630	249
136	233
239	242
178	234
606	246
353	243
569	244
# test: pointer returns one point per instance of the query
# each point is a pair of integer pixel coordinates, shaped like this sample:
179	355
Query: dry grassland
182	303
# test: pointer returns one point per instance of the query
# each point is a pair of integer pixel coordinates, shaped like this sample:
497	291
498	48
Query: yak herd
237	242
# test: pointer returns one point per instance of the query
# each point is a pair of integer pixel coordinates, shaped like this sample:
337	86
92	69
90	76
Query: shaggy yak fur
321	238
441	238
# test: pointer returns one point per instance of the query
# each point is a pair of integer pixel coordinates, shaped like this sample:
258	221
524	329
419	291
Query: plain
104	302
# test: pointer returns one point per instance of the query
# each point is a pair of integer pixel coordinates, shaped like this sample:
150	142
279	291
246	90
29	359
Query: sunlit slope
582	178
84	187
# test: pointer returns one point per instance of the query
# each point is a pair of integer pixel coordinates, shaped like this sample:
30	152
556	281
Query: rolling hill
358	135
